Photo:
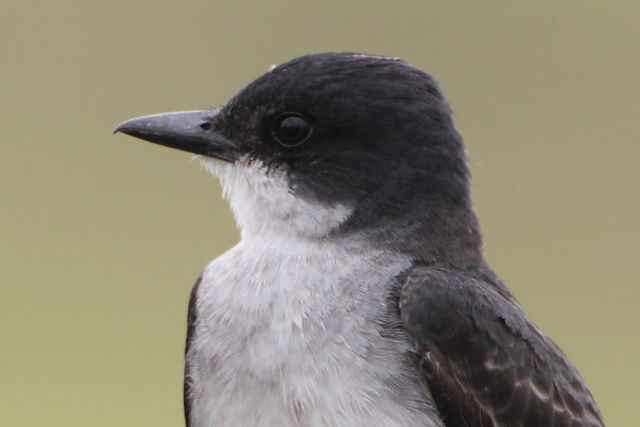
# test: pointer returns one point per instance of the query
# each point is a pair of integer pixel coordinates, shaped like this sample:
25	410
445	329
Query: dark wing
191	321
485	363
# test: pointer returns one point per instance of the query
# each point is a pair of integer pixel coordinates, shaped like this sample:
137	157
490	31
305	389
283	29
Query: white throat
264	203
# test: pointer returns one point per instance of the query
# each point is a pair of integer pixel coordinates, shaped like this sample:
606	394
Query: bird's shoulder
191	321
485	362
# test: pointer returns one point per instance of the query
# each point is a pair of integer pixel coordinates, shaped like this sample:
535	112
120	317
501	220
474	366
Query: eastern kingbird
358	294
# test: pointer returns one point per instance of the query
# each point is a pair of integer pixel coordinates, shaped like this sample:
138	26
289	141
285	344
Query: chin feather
263	201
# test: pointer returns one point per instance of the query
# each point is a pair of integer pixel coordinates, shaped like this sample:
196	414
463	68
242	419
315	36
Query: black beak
191	131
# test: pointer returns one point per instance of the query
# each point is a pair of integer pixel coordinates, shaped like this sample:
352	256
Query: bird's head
329	144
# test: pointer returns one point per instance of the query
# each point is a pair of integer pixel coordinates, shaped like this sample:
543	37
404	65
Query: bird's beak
191	131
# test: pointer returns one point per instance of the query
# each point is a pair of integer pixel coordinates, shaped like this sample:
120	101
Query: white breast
288	334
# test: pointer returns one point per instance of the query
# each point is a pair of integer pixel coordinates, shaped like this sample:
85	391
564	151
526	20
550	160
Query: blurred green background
102	236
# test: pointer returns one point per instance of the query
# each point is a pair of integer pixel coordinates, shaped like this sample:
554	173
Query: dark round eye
291	130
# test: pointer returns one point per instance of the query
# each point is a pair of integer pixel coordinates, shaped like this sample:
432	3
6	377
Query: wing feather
485	363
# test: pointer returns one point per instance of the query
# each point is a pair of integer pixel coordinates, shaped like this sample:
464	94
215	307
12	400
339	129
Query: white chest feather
288	334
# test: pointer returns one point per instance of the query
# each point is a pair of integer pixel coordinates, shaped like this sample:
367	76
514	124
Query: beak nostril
205	126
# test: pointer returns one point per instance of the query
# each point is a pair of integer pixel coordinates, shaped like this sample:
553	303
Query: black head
369	132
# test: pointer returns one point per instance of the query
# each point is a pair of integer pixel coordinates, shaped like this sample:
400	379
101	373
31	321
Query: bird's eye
291	130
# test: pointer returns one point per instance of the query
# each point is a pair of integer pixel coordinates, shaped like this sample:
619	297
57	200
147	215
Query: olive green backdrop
103	235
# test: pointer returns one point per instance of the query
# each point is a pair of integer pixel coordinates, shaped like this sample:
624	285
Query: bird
358	293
